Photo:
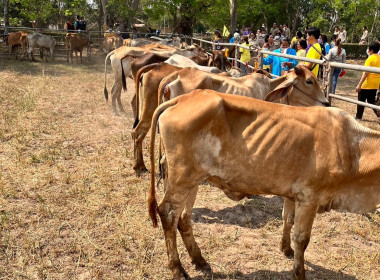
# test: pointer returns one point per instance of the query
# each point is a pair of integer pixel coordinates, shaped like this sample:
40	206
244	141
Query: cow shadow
252	213
316	272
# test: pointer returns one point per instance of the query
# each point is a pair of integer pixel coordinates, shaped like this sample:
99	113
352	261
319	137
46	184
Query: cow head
5	38
300	87
198	50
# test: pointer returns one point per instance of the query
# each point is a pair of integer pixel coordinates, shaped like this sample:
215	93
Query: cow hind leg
118	98
288	221
115	91
186	230
138	135
170	209
133	105
303	222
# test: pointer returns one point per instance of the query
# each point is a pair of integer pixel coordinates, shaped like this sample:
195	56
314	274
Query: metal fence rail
328	67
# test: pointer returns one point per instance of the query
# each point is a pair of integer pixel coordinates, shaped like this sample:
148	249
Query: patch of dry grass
72	208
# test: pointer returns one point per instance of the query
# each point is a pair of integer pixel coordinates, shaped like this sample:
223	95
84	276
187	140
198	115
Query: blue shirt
276	60
232	40
327	48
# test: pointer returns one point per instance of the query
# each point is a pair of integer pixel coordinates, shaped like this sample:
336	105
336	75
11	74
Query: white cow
37	40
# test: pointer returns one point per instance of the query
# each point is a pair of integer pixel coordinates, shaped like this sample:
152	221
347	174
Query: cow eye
310	82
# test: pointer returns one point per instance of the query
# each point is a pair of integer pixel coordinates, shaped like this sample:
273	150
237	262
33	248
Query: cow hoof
288	252
204	267
140	168
181	275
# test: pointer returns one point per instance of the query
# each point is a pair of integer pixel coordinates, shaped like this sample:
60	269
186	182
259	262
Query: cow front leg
170	209
186	230
133	105
303	222
288	221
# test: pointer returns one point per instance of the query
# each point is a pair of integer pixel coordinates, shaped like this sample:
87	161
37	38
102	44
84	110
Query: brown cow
302	86
316	158
255	85
218	59
125	55
15	39
75	43
111	43
147	101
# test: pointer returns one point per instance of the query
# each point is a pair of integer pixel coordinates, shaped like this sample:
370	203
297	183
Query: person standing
69	26
245	55
333	40
301	48
314	50
336	32
274	29
217	39
296	39
236	37
342	35
364	38
286	31
281	65
337	54
326	44
369	82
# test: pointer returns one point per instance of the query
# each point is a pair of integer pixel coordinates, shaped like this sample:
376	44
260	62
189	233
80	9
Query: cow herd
247	135
250	135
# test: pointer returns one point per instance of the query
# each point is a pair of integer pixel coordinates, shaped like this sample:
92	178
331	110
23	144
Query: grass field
71	206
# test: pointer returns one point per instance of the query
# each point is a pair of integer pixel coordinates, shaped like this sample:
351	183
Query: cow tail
105	74
138	78
165	81
152	202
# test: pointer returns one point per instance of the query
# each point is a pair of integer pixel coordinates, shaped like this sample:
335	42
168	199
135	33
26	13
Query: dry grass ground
71	206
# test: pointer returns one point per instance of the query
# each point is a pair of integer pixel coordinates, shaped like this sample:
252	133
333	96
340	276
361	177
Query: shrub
355	51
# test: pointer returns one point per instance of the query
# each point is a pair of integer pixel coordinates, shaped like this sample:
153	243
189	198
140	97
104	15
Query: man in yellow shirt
314	50
369	82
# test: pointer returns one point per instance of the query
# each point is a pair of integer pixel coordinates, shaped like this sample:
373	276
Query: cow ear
281	91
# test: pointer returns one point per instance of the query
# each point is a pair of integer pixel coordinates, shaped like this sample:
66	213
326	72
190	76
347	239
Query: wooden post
89	46
261	60
330	78
236	55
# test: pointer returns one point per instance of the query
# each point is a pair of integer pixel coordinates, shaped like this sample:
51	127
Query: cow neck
306	94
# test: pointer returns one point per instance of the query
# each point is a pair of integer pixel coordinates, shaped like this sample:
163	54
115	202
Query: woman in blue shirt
279	63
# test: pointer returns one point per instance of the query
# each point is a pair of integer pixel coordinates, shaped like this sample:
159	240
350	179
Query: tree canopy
189	16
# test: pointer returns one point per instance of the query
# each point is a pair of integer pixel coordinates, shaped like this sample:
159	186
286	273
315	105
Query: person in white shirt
342	35
364	38
337	54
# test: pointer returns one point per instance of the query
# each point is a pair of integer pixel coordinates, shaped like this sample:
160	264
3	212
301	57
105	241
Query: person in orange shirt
369	82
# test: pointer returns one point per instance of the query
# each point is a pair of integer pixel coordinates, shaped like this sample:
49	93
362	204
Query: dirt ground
71	206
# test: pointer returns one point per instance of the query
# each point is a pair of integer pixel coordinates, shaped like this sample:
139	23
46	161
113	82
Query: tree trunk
106	16
100	15
233	15
186	19
6	16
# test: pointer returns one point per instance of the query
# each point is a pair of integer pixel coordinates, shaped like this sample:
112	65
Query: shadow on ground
253	213
317	272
